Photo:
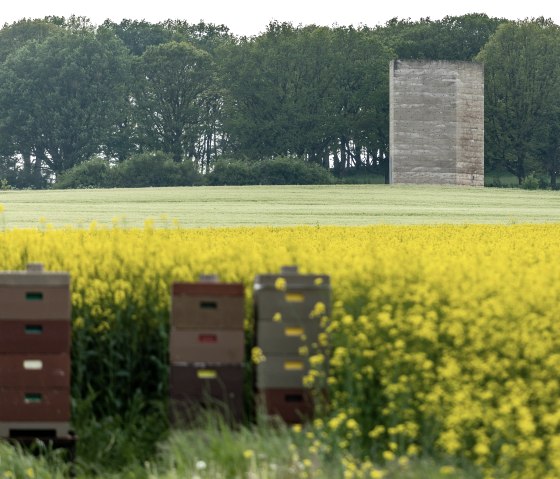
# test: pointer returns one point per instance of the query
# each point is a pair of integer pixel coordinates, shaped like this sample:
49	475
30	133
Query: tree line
73	92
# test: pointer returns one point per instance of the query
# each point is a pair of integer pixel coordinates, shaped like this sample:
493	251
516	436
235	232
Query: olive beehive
289	311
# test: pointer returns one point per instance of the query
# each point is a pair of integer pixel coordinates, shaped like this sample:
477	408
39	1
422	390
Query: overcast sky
250	17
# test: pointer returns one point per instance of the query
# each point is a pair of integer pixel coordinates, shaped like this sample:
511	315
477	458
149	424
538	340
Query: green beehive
290	309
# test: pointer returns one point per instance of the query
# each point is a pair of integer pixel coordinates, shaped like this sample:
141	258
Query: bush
233	173
4	184
531	182
279	171
93	173
154	169
143	169
362	175
293	171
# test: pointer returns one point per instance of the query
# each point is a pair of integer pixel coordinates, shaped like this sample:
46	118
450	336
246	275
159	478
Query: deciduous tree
522	78
61	96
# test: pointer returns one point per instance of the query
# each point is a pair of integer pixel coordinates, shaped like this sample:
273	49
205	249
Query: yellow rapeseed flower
257	355
388	455
280	284
446	470
420	317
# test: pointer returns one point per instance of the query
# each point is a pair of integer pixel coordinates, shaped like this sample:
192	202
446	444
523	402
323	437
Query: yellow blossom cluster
442	338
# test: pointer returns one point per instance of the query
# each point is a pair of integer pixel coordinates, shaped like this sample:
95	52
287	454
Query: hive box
282	372
203	385
207	306
34	404
26	371
284	338
34	294
208	346
293	405
35	336
294	296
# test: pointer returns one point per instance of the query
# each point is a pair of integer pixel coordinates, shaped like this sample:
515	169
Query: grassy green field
280	205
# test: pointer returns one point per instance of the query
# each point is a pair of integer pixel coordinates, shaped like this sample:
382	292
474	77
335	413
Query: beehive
206	348
35	342
289	312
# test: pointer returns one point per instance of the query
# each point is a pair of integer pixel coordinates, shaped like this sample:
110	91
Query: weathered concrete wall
436	129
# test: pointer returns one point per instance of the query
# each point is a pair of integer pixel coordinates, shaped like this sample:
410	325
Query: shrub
233	173
362	175
279	171
531	182
4	184
154	169
93	173
293	171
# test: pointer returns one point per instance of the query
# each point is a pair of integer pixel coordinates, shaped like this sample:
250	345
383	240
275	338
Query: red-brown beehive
206	348
35	341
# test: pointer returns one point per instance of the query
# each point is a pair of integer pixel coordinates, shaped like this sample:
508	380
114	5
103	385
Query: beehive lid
289	278
34	275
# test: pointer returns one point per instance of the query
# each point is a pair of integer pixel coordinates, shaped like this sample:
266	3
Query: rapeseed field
443	341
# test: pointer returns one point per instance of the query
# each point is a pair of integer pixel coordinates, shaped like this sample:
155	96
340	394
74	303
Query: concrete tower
436	122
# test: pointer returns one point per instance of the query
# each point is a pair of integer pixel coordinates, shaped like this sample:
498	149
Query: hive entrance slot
33	329
293	397
208	305
36	433
207	338
33	398
34	296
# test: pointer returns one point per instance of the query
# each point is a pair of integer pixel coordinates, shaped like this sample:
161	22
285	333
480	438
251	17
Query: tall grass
211	449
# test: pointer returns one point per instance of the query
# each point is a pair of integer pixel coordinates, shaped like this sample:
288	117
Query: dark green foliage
293	171
19	33
8	173
140	170
176	78
314	92
114	441
531	182
452	38
61	96
70	91
364	175
153	169
522	98
93	173
279	171
138	35
233	173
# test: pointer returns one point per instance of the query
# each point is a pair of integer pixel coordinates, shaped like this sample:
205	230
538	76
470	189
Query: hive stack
207	349
35	339
289	309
